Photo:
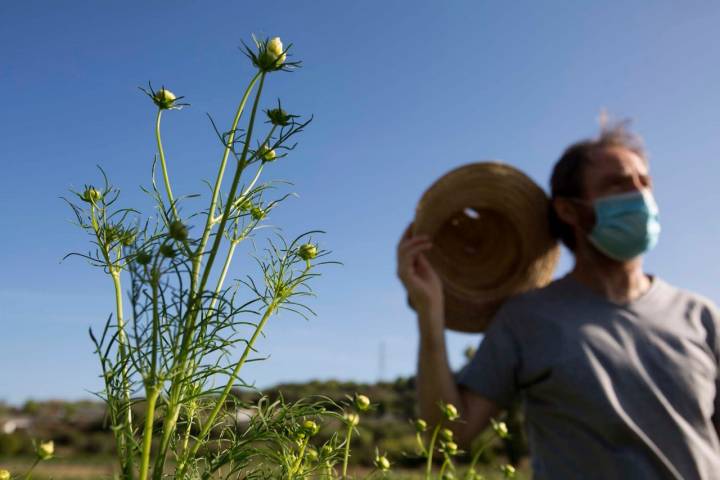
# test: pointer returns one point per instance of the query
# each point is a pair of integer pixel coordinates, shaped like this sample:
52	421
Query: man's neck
619	282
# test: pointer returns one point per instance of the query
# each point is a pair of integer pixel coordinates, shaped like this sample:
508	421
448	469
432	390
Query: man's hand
423	285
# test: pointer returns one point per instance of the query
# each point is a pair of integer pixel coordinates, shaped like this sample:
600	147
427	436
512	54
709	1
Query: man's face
615	170
611	171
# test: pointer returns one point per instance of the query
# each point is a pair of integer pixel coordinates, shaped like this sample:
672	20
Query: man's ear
566	211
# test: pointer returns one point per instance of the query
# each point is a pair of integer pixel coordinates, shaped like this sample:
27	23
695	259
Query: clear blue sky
401	93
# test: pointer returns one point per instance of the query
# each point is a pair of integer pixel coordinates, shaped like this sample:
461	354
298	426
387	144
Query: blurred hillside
79	429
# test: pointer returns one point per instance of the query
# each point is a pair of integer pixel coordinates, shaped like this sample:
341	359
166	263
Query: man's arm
435	382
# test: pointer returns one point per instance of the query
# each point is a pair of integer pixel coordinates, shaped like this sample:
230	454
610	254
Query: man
617	369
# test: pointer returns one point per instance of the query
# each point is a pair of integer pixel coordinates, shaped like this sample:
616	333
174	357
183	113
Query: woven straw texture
489	225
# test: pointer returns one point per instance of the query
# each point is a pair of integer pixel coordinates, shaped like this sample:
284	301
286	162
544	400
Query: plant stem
122	341
231	381
32	467
196	295
164	166
197	261
194	307
152	395
299	459
442	468
347	450
152	389
431	450
476	457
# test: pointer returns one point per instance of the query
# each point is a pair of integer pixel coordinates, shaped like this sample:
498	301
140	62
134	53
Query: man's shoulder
556	289
529	303
696	299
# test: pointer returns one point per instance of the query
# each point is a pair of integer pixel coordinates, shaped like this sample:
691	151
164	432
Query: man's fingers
409	254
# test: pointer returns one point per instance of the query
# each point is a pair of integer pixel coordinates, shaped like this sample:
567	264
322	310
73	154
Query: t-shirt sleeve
492	371
711	320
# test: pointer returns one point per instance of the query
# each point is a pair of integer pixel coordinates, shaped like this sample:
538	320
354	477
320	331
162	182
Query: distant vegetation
79	428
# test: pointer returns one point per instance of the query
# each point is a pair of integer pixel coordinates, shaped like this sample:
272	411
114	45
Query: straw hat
489	225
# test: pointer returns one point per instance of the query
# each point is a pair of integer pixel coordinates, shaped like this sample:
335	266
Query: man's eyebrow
615	177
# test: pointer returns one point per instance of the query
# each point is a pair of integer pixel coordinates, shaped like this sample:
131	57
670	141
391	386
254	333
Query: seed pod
167	251
45	450
308	251
91	195
164	98
178	231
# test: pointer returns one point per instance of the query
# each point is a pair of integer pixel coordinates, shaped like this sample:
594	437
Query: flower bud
508	471
91	195
4	475
112	234
448	476
178	231
271	55
449	411
473	475
311	427
446	434
266	154
257	213
420	425
382	463
167	251
352	418
326	450
451	448
362	402
500	428
308	251
164	99
45	450
311	454
143	258
278	117
275	46
245	205
128	238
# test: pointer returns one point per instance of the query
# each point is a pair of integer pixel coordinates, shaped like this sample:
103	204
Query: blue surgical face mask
626	225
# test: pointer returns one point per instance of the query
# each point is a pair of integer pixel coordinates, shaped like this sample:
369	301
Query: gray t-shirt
610	391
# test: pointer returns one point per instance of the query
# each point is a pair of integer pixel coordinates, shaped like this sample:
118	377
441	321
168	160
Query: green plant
173	350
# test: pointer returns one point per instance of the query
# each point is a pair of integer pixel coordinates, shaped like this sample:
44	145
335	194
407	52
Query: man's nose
641	182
